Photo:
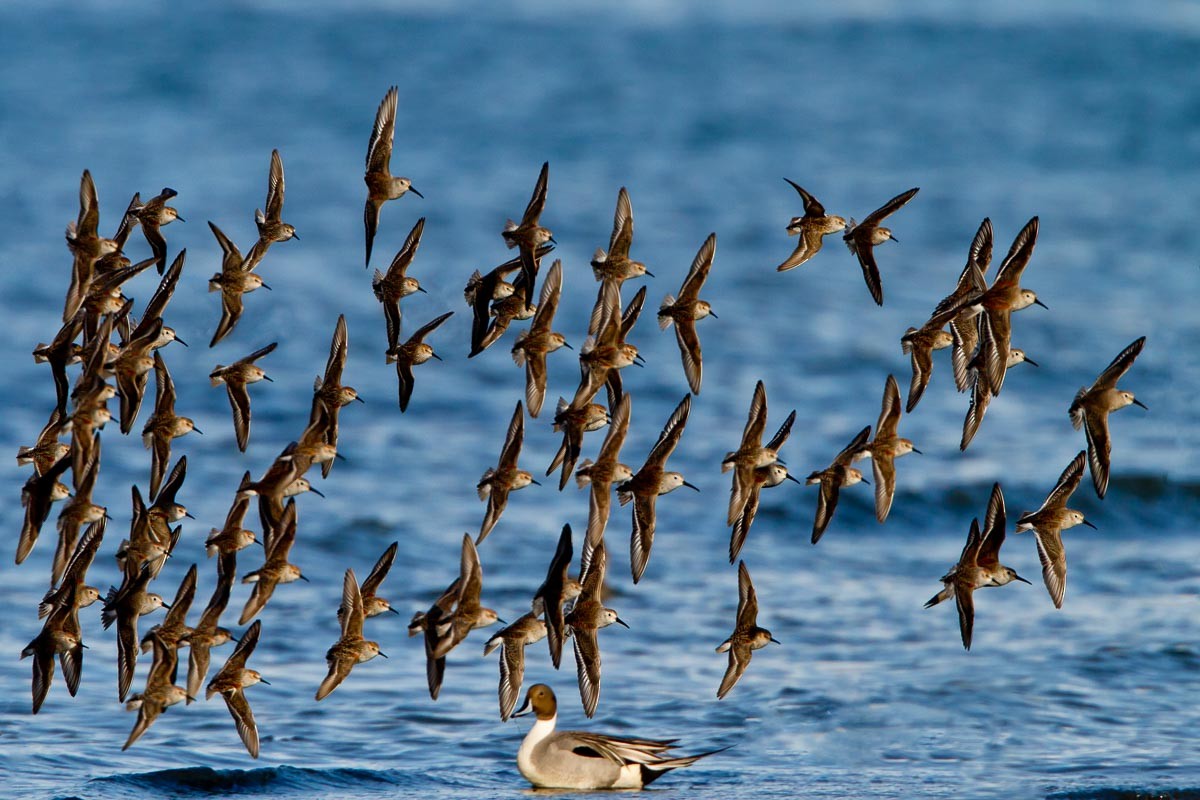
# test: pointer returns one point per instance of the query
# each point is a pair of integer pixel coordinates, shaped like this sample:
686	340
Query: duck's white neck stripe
540	730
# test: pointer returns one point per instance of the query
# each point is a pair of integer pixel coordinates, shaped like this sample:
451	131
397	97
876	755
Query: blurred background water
1087	114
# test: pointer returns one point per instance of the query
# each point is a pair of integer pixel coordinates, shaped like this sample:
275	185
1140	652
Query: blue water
1086	115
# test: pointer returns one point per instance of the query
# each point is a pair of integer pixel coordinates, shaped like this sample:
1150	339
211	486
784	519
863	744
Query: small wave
269	780
1112	793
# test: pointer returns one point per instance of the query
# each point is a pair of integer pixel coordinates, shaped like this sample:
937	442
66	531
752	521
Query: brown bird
73	586
153	214
551	595
751	455
276	569
79	510
234	280
236	377
1048	523
529	235
1093	404
39	492
456	613
164	425
616	265
124	606
506	477
885	448
764	478
86	245
413	352
1003	297
271	227
573	420
394	286
231	683
173	630
531	346
685	310
329	395
381	186
832	479
812	229
351	648
160	692
208	633
648	483
746	637
587	617
47	449
601	475
61	636
373	604
861	238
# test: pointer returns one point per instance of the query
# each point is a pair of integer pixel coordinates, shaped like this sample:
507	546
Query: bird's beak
181	219
535	483
166	605
792	479
525	709
918	452
1090	525
295	236
264	681
197	430
339	456
413	189
359	399
867	482
268	379
316	491
1019	578
234	639
776	641
305	579
1139	403
422	289
690	486
268	288
182	342
620	621
435	355
713	314
651	274
1040	303
108	516
1030	361
192	699
568	346
502	622
553	240
84	646
394	611
385	655
188	514
640	358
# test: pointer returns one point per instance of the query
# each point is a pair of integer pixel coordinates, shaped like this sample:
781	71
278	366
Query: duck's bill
525	709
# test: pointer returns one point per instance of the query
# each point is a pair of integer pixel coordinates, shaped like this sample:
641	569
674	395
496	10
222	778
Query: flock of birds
117	352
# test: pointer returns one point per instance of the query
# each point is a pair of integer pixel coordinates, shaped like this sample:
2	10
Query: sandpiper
60	635
329	394
155	308
832	479
978	567
648	483
236	377
885	448
271	227
232	537
964	324
124	606
525	630
1048	523
529	235
231	683
573	420
551	759
482	291
686	309
394	286
586	618
746	637
160	692
73	588
381	186
411	353
208	633
233	281
812	229
764	478
603	355
1003	297
496	483
1093	404
373	604
153	214
47	449
276	569
455	614
60	353
551	595
531	346
173	630
164	425
616	265
79	510
39	492
861	238
750	454
86	245
919	344
981	392
601	474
